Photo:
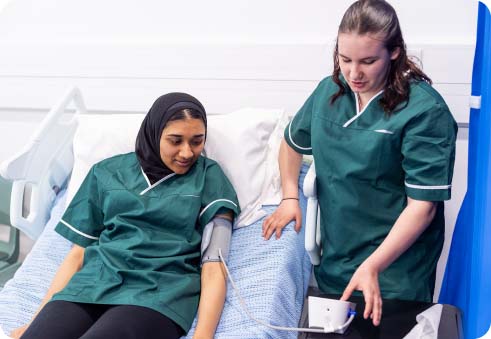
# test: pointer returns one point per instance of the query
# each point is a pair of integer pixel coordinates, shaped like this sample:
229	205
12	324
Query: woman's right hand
18	332
365	279
287	211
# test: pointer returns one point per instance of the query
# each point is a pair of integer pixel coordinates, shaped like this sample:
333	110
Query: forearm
289	163
213	290
414	219
70	265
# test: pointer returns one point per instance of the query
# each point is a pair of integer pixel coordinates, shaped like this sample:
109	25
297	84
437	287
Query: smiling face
364	62
181	143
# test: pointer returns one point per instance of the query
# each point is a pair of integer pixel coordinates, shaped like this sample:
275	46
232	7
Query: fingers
377	311
298	222
368	305
266	222
373	302
17	333
279	219
373	306
278	232
269	227
272	228
272	224
348	292
365	279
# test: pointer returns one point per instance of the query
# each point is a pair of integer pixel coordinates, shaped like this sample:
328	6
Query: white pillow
245	143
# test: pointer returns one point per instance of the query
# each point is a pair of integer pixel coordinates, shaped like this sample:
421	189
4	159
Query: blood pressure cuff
216	235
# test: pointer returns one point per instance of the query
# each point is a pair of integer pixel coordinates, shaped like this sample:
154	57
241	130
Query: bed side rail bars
41	169
312	225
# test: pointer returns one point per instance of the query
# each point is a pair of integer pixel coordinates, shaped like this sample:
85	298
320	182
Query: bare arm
213	290
290	163
413	220
212	298
288	210
70	265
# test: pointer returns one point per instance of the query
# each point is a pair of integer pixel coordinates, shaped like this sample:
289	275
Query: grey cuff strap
216	235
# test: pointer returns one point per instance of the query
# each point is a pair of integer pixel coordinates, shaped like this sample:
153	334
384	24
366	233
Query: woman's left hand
18	332
365	279
199	336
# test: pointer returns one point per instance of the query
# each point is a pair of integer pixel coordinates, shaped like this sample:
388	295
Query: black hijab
148	140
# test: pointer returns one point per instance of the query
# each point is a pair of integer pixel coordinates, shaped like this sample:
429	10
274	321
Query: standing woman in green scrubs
383	141
137	223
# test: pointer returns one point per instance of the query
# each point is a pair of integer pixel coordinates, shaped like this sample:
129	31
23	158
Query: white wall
276	21
3	3
123	54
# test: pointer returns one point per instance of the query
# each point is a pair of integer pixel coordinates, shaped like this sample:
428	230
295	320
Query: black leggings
69	320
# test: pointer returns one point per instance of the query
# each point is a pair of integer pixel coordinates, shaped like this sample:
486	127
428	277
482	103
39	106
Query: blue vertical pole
467	281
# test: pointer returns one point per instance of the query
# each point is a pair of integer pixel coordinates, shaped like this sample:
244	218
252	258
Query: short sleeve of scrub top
298	132
218	195
428	154
83	221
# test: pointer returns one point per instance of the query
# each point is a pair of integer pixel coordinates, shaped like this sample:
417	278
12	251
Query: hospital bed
272	276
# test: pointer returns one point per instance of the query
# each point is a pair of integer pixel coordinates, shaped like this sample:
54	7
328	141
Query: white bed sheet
272	277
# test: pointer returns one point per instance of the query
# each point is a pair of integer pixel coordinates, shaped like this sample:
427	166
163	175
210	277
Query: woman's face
364	62
181	144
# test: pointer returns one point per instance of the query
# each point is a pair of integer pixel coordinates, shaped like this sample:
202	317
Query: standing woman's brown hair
377	17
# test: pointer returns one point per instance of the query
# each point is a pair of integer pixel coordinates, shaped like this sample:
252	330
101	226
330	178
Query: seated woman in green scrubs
383	141
137	223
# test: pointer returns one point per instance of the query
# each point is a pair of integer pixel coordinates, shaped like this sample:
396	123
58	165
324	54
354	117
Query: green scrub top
368	163
142	241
